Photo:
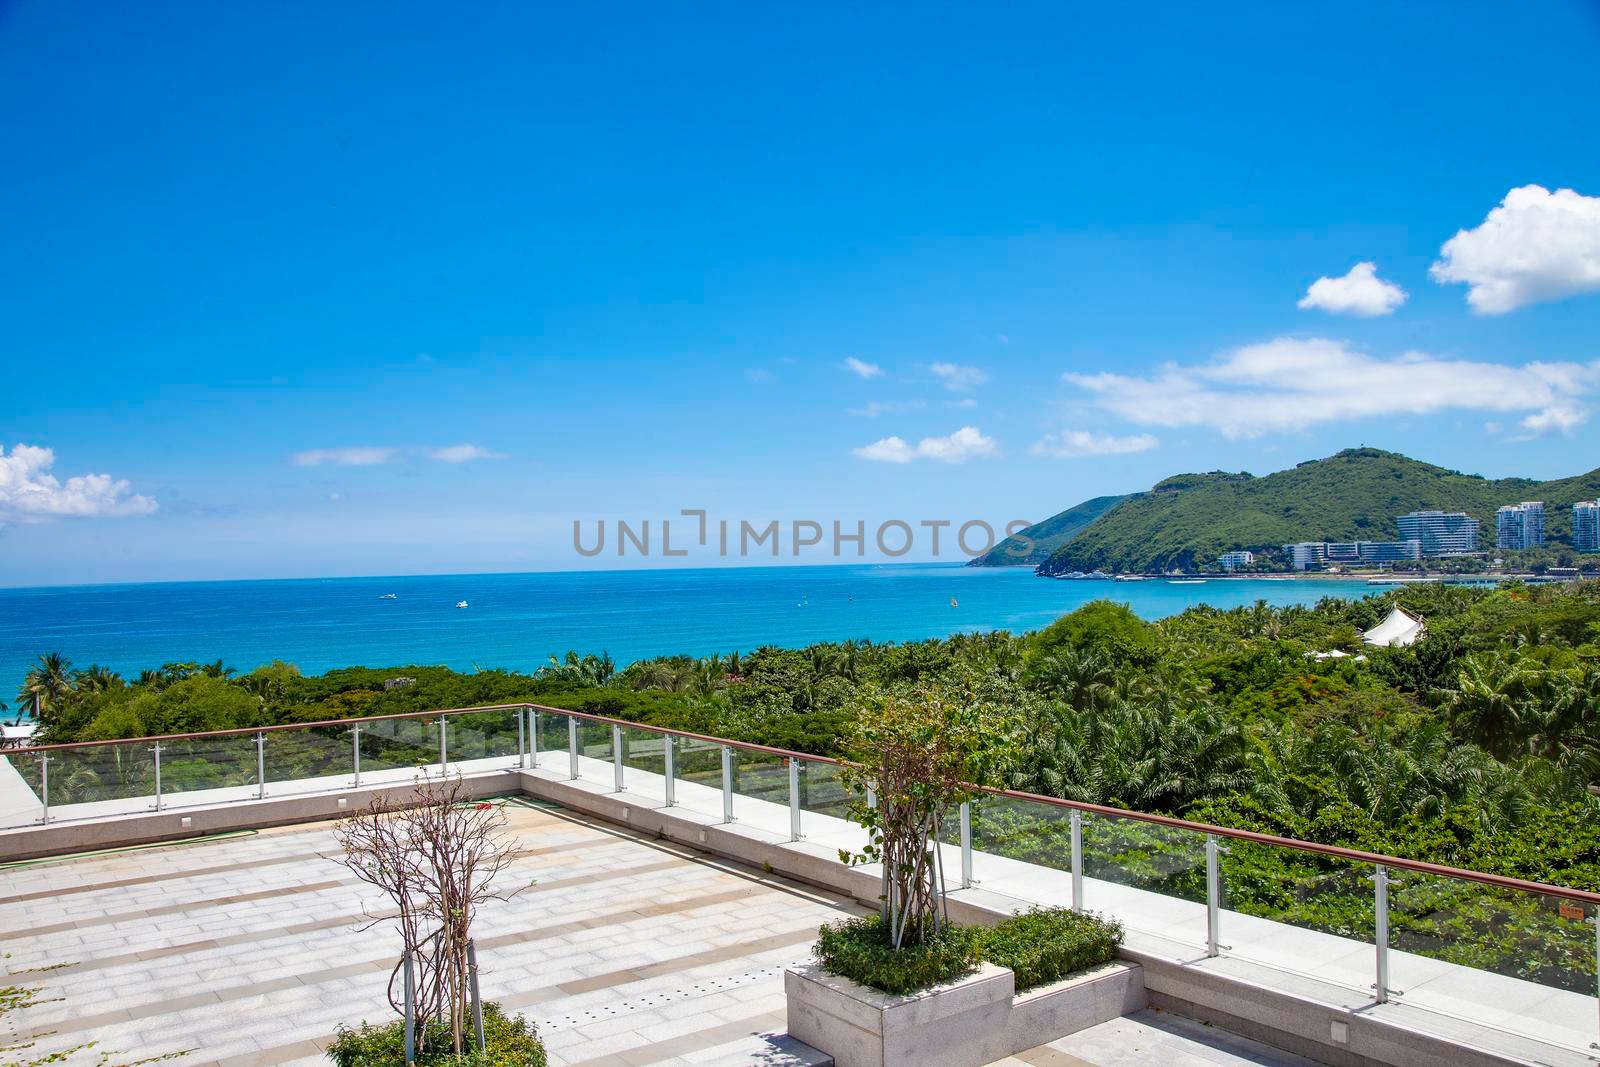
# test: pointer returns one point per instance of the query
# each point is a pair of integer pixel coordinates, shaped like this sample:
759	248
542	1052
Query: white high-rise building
1519	526
1305	554
1586	526
1441	533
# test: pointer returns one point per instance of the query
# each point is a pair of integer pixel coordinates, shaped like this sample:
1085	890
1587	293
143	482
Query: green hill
1186	521
1034	545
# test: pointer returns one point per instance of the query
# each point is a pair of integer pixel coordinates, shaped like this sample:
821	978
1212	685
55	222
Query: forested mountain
1035	544
1186	521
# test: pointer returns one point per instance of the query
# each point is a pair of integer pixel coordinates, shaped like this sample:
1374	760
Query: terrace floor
251	949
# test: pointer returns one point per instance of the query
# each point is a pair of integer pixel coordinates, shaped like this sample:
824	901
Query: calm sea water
516	620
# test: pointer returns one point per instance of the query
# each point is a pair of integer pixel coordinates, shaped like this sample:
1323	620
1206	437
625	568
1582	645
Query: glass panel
826	805
761	790
1023	848
394	749
552	735
21	807
594	746
94	775
1155	874
199	765
644	754
699	769
1519	961
1267	889
318	757
484	735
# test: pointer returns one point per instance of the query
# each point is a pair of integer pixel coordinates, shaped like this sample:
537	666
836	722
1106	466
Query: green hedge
1044	945
512	1042
860	950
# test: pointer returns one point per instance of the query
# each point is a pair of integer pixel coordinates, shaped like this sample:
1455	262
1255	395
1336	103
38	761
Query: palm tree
97	679
50	682
217	670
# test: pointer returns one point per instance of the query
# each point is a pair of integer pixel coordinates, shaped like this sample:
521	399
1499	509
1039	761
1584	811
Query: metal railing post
444	751
410	1011
261	766
966	844
572	744
1380	882
522	739
616	756
1077	860
872	797
157	751
670	767
727	784
477	997
794	799
44	784
355	752
533	736
1213	895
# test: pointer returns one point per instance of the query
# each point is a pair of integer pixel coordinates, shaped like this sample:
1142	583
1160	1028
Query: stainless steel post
410	1011
872	797
1213	895
157	751
1380	882
794	799
355	752
44	784
727	784
533	735
966	845
444	752
261	766
477	997
671	767
616	756
572	744
522	740
1077	860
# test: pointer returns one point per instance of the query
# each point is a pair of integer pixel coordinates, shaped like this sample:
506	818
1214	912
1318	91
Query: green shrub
512	1042
859	949
1044	945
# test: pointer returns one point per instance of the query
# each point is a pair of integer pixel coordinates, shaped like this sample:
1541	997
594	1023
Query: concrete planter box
966	1023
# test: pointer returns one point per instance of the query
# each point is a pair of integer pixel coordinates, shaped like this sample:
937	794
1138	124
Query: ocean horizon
516	621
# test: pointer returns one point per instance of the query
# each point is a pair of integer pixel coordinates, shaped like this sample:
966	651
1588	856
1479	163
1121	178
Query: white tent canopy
1399	629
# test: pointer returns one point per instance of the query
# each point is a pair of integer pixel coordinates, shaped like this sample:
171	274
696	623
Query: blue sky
624	253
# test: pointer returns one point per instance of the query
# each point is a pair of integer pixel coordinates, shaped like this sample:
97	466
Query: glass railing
1505	954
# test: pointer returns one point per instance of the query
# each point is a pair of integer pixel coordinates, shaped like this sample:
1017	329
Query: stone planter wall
966	1023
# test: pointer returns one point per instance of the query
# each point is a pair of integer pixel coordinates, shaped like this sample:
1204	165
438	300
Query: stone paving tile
172	949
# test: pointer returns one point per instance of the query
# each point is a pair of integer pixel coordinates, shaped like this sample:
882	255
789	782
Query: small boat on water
390	596
1130	578
461	603
1186	581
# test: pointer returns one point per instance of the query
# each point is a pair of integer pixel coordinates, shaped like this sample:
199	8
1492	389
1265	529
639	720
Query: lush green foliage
511	1041
1187	521
861	950
1045	945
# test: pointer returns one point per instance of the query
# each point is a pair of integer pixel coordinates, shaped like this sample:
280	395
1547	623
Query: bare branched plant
436	854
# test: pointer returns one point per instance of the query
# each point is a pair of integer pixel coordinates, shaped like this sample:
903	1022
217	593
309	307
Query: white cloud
1536	245
890	407
344	457
1072	443
1291	384
966	443
958	378
1360	292
463	454
862	368
28	491
964	402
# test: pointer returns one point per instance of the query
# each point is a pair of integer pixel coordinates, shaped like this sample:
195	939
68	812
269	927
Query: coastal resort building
1586	526
1519	526
1441	533
1310	555
1305	555
1399	629
1232	561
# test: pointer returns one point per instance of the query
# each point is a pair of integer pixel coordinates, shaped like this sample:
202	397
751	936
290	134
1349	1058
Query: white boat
390	596
461	603
1186	581
1130	578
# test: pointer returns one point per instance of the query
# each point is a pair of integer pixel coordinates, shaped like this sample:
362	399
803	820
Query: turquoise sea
515	621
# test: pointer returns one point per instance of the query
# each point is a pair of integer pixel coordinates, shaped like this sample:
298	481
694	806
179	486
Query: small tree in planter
435	854
919	753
